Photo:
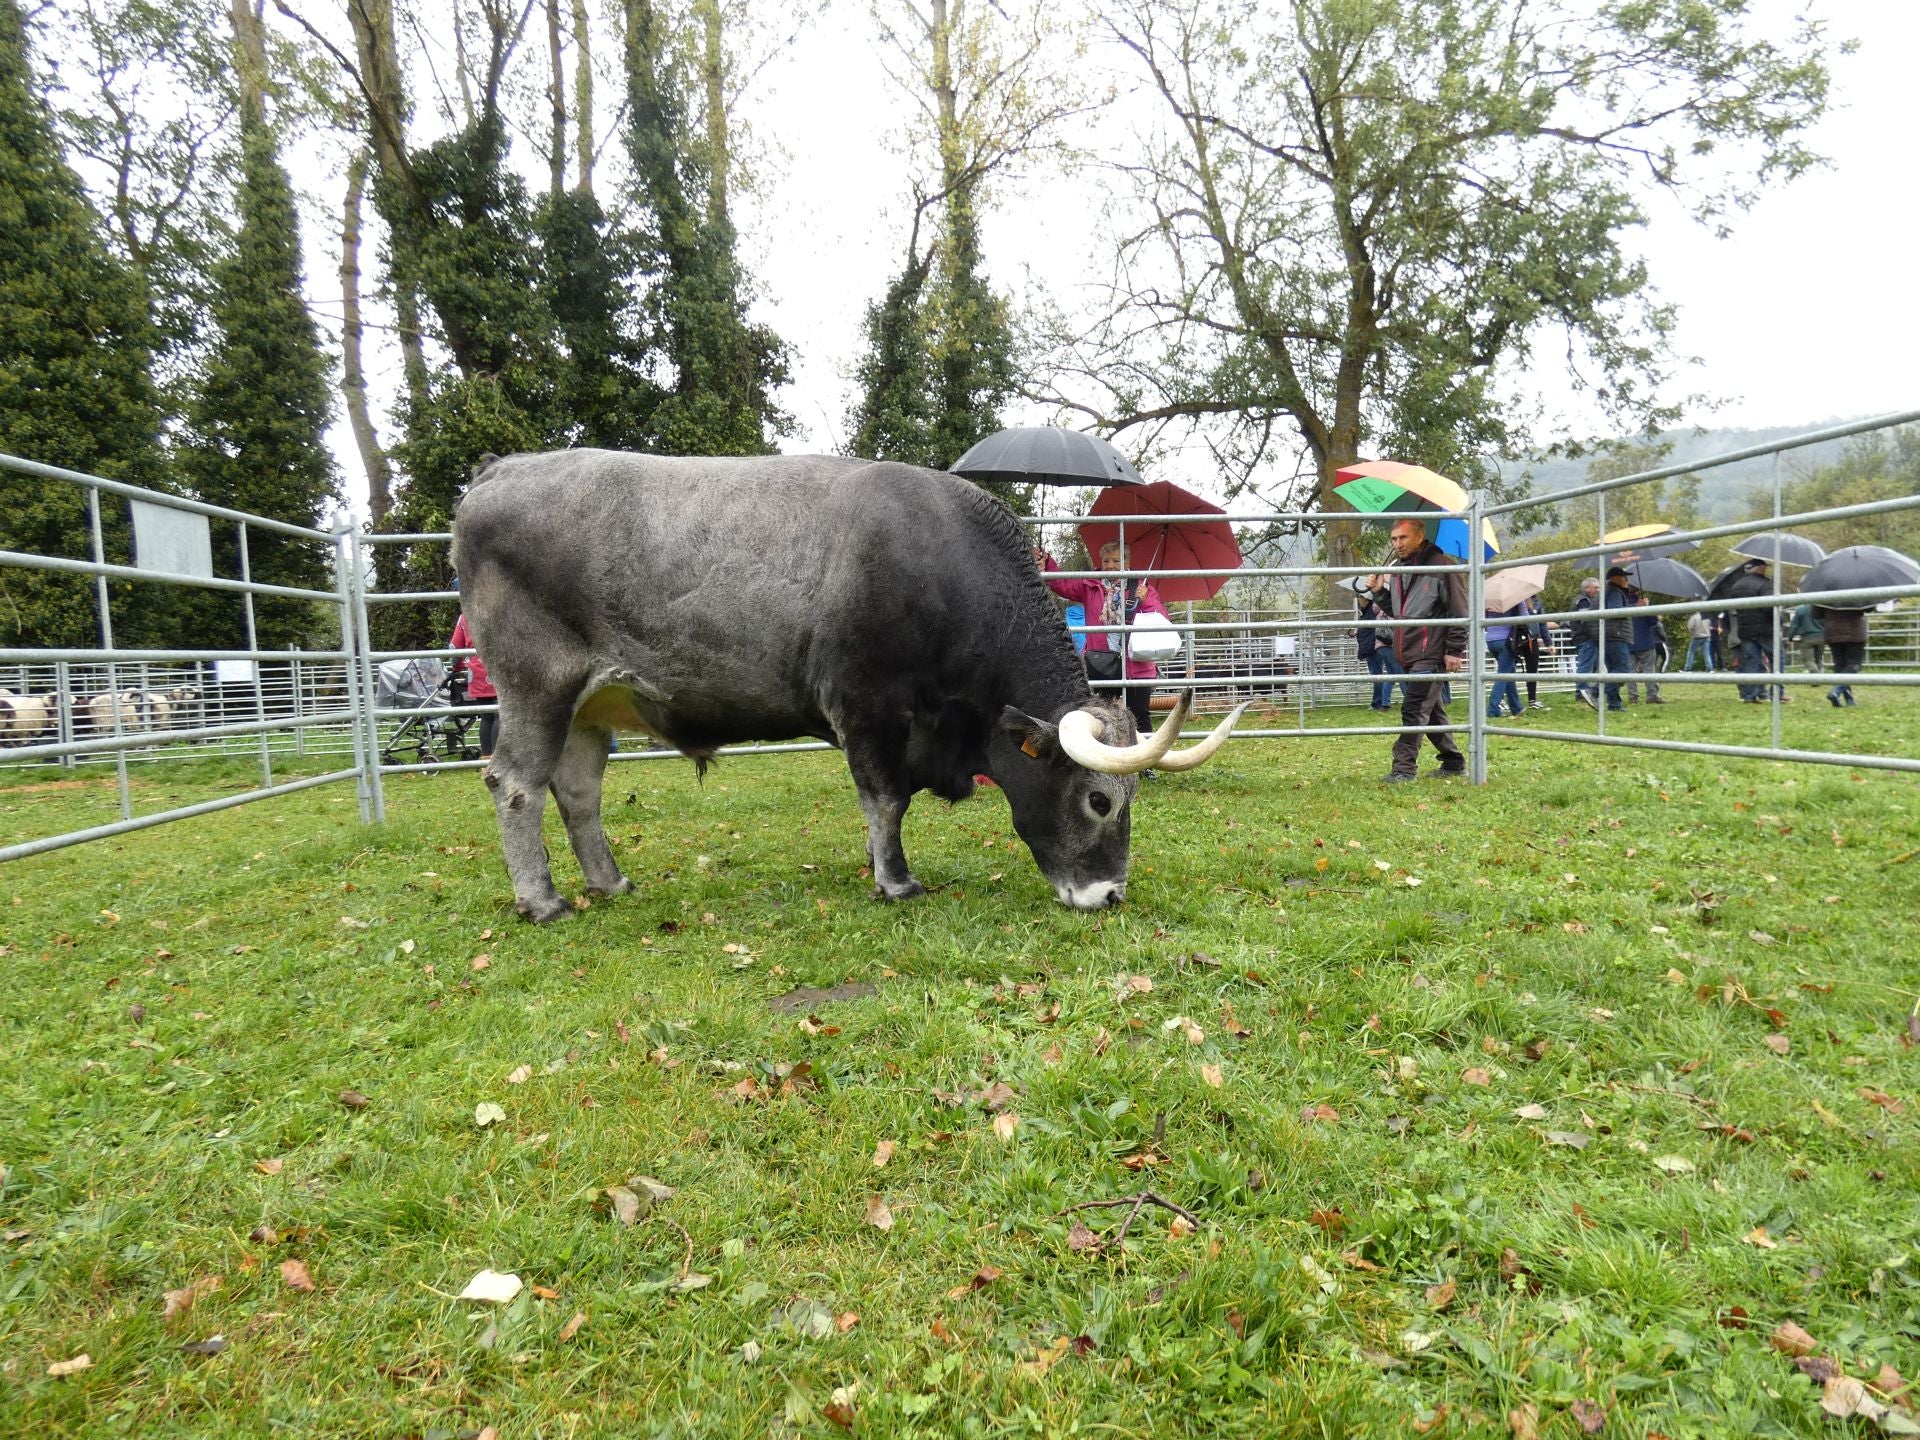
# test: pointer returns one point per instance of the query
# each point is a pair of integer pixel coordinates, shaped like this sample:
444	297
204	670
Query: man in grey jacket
1431	649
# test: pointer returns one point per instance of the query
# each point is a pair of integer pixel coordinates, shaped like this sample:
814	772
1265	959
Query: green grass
1600	933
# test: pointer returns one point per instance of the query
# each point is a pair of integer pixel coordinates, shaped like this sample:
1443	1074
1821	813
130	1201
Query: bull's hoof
622	887
899	892
545	912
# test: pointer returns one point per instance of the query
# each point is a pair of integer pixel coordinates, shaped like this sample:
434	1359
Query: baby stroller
431	736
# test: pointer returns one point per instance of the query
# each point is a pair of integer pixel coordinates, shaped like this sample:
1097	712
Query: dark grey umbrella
1861	567
1667	577
1781	547
1717	587
1046	455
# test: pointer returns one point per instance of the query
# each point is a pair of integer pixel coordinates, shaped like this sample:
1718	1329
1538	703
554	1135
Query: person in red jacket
479	687
1112	602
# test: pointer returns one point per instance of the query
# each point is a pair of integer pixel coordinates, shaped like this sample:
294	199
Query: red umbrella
1154	544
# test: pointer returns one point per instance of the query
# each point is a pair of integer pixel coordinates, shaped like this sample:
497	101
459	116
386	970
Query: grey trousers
1425	704
1645	662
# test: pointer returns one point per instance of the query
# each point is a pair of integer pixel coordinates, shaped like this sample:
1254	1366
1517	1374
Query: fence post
1476	647
253	644
63	709
345	556
369	691
106	643
1774	662
1599	691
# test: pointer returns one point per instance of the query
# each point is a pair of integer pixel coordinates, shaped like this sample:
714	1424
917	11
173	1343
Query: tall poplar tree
76	388
258	418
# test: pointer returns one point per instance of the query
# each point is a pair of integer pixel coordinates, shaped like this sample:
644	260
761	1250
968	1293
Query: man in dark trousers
1754	628
1423	649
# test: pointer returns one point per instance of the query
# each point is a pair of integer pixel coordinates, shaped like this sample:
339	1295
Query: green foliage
1884	465
1363	216
75	385
723	369
257	425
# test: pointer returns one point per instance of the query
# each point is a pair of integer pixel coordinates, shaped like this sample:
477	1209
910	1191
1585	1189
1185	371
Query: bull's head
1070	785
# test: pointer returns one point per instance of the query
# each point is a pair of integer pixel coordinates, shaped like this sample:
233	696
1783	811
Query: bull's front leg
884	795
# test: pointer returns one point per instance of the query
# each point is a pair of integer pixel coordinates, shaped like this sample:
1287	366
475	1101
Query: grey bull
893	611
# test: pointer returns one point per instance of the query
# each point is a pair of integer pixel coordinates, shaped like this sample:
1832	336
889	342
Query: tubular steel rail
185	702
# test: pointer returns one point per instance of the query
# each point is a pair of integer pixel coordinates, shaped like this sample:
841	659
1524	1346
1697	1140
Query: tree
1360	216
257	422
939	364
723	369
1881	465
76	343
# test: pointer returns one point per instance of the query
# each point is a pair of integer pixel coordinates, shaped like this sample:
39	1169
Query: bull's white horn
1204	751
1080	732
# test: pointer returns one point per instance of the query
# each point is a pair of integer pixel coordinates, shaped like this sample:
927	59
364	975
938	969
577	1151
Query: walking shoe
1536	706
1655	700
1849	697
1587	700
1447	772
1395	778
1833	700
1616	709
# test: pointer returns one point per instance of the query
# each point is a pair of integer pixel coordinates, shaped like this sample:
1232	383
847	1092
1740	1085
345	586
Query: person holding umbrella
1423	650
1752	627
1112	602
1846	636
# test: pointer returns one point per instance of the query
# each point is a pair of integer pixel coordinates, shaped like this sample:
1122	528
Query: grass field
1532	1108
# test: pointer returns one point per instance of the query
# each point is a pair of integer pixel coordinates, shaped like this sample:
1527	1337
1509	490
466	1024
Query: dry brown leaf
482	962
1322	1113
1053	1054
939	1328
1360	1262
1777	1043
572	1327
1211	1074
1440	1296
747	1089
1790	1339
1843	1396
354	1100
1880	1097
519	1075
1524	1422
1760	1239
264	1235
882	1153
1079	1237
1005	1124
273	1165
1476	1076
997	1096
1590	1417
1331	1222
1531	1112
982	1278
178	1302
71	1367
1101	1041
295	1276
1045	1359
1179	1228
845	1321
878	1215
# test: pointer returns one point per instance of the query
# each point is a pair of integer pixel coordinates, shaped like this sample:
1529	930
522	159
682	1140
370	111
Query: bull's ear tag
1027	747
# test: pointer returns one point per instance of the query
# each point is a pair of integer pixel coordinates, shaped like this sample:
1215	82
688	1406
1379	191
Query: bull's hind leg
576	790
524	764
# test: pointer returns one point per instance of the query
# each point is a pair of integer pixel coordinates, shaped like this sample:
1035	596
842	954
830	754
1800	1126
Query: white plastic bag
1152	636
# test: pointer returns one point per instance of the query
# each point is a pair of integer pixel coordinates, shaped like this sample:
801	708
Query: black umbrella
1861	567
1780	547
1717	587
1667	577
1046	455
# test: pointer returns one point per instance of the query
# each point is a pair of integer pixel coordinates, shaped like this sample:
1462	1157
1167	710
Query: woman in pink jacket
479	686
1112	602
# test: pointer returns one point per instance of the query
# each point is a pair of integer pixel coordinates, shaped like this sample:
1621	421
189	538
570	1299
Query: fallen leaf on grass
1476	1076
1360	1262
1673	1164
520	1075
1817	1368
71	1367
178	1302
1211	1074
481	962
1588	1416
1186	1027
1524	1422
1053	1054
354	1100
1777	1043
1181	1227
572	1327
212	1345
1323	1113
271	1166
1080	1238
295	1275
1760	937
1126	985
1532	1112
882	1153
997	1097
1843	1396
1790	1339
1882	1099
1005	1124
878	1214
1440	1296
1578	1139
982	1278
487	1113
493	1287
1045	1359
1760	1239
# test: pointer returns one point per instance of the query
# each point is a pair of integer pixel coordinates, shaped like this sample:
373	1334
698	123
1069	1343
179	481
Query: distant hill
1725	490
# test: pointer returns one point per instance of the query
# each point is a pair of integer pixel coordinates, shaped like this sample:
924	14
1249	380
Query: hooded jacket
1424	648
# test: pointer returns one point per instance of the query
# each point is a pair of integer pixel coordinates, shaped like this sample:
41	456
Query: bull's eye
1100	802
